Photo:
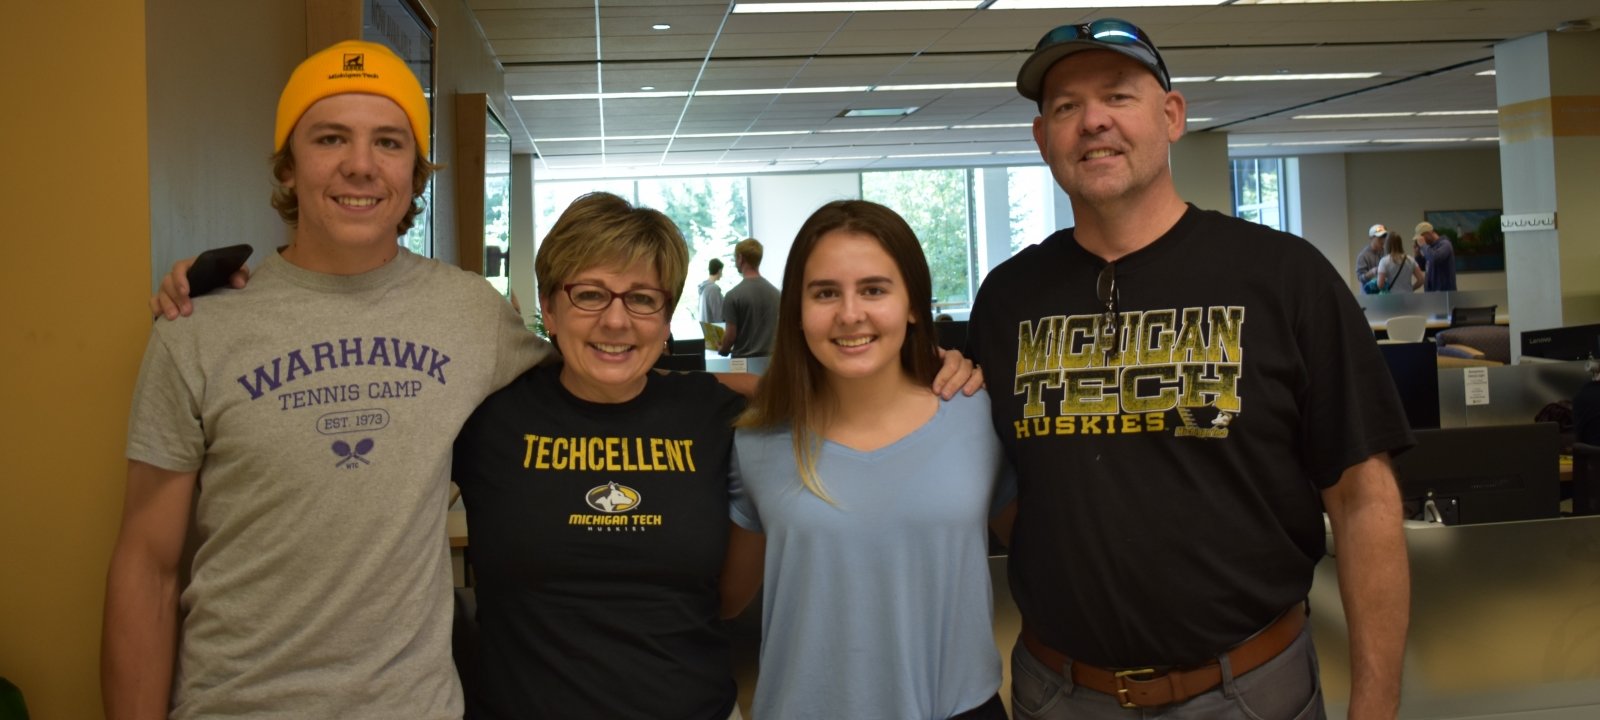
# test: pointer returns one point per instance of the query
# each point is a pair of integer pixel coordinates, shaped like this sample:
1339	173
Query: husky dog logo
612	498
355	62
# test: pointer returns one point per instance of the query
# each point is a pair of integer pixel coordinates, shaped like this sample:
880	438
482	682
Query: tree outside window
935	205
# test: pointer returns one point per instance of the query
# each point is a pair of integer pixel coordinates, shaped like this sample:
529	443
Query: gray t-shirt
879	607
752	308
319	411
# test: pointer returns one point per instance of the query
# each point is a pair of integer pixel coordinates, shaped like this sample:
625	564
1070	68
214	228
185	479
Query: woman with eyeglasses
872	496
597	494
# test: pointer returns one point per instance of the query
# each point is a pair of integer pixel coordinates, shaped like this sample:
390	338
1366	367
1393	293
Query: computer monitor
1578	342
1415	368
1494	473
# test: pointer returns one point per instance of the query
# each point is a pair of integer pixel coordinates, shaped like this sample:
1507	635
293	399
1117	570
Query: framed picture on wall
1476	236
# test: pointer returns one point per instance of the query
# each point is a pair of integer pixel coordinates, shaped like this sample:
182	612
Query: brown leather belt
1145	688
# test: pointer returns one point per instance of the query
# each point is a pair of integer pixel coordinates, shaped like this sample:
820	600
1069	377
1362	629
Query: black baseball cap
1104	34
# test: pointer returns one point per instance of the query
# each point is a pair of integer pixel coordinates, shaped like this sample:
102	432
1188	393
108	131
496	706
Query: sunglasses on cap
1110	31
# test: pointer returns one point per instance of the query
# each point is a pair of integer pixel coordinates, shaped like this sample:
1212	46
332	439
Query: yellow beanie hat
352	66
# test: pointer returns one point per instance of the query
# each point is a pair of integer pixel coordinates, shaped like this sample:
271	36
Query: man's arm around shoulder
139	635
1374	582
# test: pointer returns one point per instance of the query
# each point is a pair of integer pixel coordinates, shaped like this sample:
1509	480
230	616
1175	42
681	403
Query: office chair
1406	328
1585	479
1472	315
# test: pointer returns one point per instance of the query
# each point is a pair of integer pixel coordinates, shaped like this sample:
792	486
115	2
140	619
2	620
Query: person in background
1437	257
1367	259
318	406
1397	272
1176	439
872	496
711	294
751	307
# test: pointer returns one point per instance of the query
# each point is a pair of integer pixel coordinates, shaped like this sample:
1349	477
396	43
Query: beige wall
77	213
1395	189
213	95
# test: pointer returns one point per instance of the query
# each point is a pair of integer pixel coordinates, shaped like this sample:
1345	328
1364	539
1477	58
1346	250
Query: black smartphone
213	267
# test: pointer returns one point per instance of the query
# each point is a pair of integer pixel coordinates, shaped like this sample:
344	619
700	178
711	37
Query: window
1259	191
1029	193
935	203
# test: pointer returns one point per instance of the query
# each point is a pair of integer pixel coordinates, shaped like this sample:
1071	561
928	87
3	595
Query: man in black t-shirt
1178	427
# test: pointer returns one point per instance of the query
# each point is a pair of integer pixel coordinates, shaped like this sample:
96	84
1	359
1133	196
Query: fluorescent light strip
1490	73
597	138
991	127
1201	119
1092	4
1298	76
1194	79
1421	140
894	128
929	155
1016	152
611	138
603	96
786	91
762	133
1319	142
1493	139
1351	116
1240	145
946	86
1459	112
858	6
841	157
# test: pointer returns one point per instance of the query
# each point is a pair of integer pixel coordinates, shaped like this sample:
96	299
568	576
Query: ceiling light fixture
1489	73
1194	79
1459	112
878	112
1201	119
891	128
1352	116
994	126
865	6
1092	4
1318	142
1298	76
950	154
1420	140
1010	84
602	96
785	91
660	26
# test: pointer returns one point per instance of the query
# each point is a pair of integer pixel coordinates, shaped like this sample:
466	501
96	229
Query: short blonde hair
601	229
749	250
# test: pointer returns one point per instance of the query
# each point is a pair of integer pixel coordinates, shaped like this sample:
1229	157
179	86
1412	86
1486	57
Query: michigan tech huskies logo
355	62
612	498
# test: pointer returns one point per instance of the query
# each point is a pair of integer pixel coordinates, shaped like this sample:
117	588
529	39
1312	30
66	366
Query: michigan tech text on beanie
352	66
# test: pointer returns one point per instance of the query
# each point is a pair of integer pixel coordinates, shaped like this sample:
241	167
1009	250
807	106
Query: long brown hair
794	391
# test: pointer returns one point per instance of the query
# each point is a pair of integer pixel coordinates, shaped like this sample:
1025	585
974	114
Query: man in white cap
309	420
1367	260
1177	438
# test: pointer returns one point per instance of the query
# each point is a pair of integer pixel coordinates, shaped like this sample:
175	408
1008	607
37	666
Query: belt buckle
1122	688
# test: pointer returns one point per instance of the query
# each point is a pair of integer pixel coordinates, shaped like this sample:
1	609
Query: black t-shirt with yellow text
1170	455
597	539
